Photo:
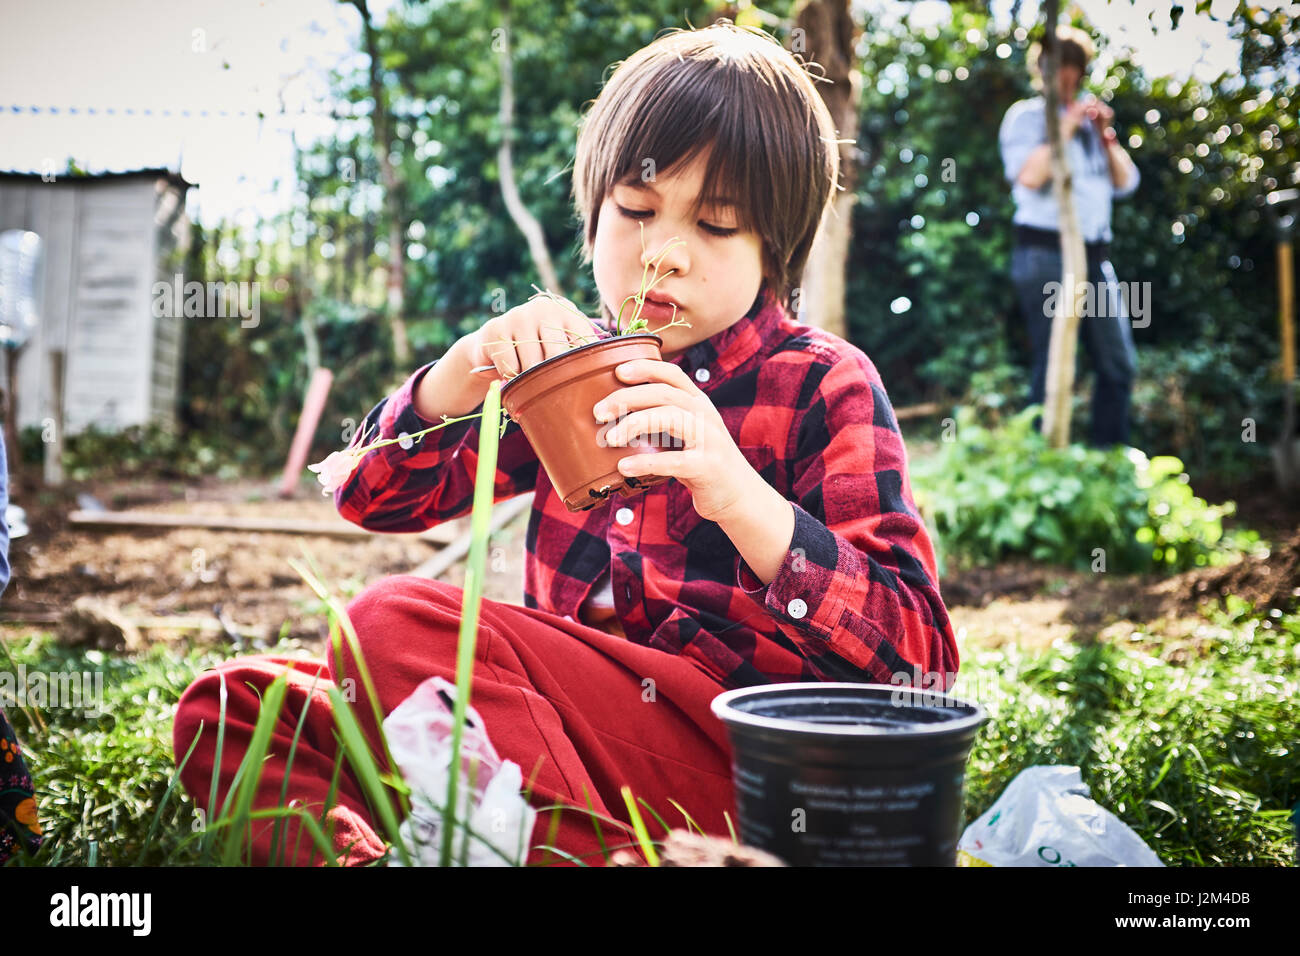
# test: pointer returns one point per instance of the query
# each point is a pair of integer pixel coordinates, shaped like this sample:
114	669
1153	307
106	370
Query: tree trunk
524	219
348	261
392	198
825	34
1065	323
362	276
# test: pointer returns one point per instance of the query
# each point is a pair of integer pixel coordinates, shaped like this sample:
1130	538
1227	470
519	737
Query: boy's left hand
710	465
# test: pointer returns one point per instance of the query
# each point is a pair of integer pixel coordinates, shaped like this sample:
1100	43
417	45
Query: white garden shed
106	239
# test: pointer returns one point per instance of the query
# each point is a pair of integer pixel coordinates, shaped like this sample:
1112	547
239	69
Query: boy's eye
643	213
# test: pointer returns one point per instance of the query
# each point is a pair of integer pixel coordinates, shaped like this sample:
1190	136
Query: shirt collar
724	351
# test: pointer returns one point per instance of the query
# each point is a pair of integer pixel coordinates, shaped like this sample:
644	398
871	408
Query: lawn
1190	739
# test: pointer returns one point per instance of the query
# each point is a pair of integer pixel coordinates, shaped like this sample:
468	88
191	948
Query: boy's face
713	278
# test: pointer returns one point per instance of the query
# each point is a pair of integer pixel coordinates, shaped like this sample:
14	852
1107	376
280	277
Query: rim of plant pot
577	349
728	707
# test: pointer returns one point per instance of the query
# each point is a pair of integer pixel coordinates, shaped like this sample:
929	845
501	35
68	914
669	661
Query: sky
232	55
249	55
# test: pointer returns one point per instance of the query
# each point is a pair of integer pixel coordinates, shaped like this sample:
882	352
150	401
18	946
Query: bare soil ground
186	573
244	579
1033	606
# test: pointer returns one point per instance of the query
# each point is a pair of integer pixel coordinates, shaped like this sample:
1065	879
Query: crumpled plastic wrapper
1046	817
488	794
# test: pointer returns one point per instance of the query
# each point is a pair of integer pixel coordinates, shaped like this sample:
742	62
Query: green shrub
993	493
142	450
1186	403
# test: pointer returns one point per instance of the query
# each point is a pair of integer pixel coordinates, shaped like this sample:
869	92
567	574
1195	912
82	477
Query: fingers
479	356
528	335
662	427
583	332
620	404
529	351
559	338
503	354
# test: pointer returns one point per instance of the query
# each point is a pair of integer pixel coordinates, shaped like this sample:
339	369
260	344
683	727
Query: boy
787	548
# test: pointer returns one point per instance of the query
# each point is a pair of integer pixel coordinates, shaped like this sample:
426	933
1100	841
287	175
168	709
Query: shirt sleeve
398	489
1131	186
1022	131
860	578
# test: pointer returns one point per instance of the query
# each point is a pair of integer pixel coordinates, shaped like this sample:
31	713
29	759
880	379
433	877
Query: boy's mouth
666	302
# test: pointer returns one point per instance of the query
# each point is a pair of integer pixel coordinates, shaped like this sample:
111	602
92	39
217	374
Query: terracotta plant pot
553	401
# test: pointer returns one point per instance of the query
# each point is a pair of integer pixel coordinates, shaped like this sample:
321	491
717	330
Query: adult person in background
1102	171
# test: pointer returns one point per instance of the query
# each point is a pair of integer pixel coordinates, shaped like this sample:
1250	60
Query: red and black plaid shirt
857	598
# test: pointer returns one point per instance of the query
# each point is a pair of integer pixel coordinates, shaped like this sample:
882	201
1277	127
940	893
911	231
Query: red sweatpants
573	706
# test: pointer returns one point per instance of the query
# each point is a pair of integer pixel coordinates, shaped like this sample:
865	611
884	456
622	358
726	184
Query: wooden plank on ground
502	515
924	410
441	534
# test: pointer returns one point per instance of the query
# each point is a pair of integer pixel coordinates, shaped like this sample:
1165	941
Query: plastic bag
488	793
1046	817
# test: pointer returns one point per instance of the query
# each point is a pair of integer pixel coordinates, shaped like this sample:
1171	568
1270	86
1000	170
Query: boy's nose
670	253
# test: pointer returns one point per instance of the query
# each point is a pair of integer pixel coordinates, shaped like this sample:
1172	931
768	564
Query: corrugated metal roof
176	179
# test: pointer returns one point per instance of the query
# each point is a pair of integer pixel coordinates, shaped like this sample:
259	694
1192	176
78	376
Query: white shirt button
797	608
624	516
701	375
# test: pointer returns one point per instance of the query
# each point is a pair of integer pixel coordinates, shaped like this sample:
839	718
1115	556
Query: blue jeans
1107	336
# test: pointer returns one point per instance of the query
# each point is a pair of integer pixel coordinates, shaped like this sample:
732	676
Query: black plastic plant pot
830	774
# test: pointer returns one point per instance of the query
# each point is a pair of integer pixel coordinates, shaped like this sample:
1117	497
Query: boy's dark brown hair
774	143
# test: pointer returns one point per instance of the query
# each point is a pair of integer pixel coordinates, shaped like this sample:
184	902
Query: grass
1192	744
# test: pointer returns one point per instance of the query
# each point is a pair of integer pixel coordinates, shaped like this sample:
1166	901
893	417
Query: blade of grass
480	527
561	854
690	824
276	849
600	837
473	783
341	622
363	762
331	797
639	826
565	855
658	818
267	715
244	764
205	846
553	827
309	825
171	785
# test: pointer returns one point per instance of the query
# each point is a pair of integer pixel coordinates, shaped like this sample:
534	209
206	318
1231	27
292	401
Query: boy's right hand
526	335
